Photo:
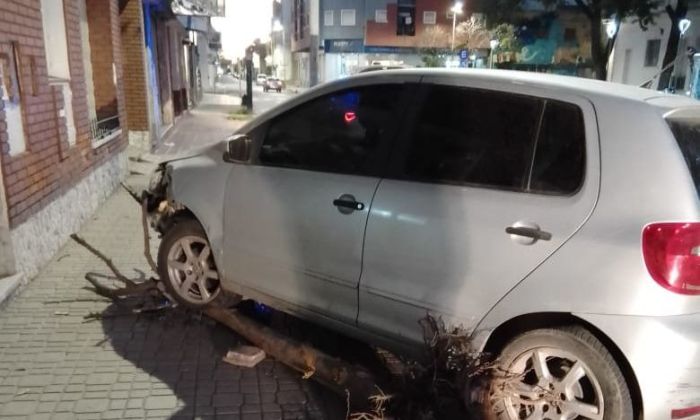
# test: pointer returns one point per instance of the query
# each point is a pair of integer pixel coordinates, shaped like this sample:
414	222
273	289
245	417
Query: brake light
672	255
682	413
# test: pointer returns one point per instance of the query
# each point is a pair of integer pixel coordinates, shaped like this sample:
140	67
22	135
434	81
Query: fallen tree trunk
358	383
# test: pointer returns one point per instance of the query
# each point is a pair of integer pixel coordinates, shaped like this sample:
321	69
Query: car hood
213	149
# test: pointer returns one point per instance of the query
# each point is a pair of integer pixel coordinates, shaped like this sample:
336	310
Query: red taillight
672	255
682	413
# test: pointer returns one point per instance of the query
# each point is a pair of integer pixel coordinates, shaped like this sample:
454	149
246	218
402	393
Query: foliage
432	43
432	59
510	11
472	34
507	38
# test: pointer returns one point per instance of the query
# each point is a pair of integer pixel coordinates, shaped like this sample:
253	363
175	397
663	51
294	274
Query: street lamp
494	43
683	26
611	28
456	9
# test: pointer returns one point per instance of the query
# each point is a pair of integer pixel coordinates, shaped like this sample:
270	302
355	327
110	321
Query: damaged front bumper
159	205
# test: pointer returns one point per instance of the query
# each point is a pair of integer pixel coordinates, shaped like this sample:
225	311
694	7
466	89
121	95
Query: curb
9	286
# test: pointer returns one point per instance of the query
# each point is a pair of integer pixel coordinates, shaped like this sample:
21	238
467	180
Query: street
208	123
262	101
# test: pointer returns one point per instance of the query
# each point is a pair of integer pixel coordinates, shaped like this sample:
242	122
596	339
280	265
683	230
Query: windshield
687	133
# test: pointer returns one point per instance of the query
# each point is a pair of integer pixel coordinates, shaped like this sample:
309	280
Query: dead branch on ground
121	277
147	236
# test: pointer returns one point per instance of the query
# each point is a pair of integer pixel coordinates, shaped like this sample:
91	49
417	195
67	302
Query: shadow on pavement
183	351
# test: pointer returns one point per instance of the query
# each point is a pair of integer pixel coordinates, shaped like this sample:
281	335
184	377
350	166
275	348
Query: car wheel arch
511	328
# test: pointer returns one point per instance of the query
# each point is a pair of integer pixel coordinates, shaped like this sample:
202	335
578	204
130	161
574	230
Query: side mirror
238	149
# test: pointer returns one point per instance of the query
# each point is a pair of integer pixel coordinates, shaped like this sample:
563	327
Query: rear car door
488	183
295	219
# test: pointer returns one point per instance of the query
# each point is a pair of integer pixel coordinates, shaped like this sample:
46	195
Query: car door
295	220
488	183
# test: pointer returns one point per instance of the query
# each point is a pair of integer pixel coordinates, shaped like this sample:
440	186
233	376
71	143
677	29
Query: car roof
585	87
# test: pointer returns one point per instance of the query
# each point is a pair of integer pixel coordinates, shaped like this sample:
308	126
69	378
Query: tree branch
121	277
147	237
114	294
131	192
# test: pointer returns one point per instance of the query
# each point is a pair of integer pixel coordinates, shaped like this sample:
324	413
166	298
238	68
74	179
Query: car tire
574	369
189	276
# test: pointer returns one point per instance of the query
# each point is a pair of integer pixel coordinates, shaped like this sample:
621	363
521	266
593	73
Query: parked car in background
273	83
260	79
381	67
556	219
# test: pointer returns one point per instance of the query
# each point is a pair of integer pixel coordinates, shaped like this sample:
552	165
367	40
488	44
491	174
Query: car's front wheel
564	373
186	265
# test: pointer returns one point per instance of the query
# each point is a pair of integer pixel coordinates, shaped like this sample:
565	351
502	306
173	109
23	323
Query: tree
432	43
507	38
509	11
472	34
261	49
675	14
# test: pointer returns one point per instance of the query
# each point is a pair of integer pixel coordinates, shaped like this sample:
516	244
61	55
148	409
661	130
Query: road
262	101
208	122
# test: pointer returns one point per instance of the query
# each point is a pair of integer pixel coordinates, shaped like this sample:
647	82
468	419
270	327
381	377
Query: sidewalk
55	365
202	126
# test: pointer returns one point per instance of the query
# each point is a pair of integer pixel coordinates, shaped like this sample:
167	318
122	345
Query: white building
638	54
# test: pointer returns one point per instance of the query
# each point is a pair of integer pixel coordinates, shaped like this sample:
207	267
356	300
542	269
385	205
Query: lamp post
683	26
456	9
276	28
494	43
611	28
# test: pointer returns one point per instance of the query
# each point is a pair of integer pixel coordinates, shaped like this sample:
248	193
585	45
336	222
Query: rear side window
474	137
498	140
342	132
560	155
687	133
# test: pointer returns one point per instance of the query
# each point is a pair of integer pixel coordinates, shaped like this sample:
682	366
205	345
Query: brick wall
384	34
131	20
50	166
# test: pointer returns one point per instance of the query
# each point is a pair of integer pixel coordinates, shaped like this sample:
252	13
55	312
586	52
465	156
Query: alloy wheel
192	271
552	384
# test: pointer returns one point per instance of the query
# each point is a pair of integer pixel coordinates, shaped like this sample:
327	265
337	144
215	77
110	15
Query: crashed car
556	219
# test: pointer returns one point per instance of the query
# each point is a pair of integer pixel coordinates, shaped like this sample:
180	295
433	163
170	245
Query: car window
473	137
559	162
687	133
341	132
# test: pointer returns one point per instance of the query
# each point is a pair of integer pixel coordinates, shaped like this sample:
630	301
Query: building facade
637	57
62	120
169	63
344	36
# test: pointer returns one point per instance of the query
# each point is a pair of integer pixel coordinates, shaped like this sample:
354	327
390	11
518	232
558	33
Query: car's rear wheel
186	265
555	374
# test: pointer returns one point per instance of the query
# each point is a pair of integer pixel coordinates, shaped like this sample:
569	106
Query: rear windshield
687	133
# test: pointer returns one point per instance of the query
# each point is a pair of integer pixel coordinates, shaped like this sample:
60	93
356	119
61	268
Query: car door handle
528	232
346	203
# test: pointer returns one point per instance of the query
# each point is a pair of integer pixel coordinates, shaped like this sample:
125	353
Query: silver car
555	218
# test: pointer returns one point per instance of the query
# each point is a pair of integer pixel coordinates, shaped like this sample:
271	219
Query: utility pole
314	11
247	100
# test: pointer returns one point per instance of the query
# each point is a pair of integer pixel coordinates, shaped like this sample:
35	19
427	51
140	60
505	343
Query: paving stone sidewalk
55	365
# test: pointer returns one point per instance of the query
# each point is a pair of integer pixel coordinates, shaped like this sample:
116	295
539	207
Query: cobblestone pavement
55	365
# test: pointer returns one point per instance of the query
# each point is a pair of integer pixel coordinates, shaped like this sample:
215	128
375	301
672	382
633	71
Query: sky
245	20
